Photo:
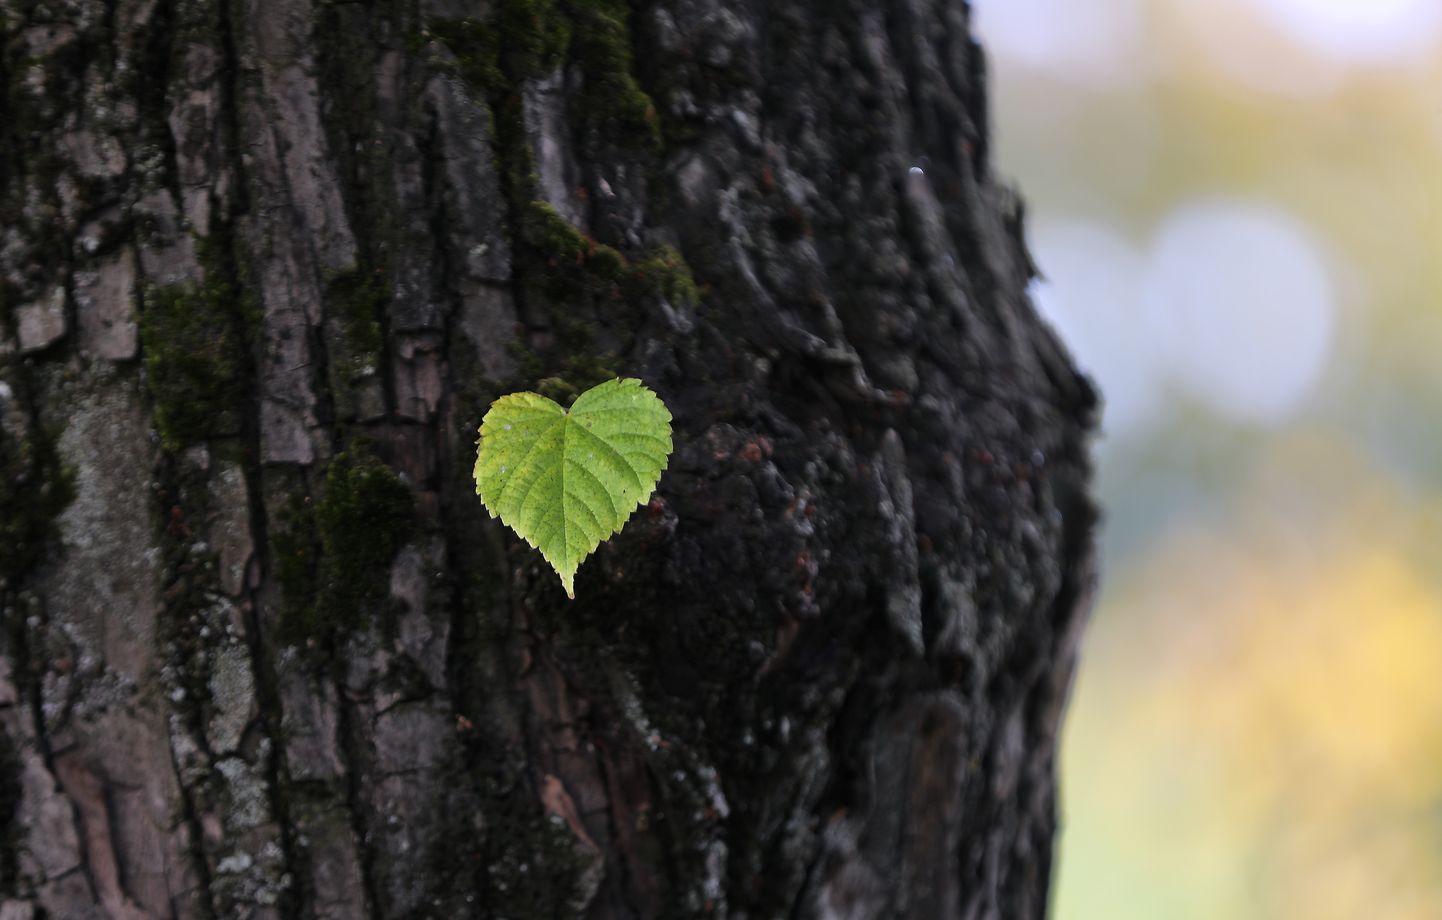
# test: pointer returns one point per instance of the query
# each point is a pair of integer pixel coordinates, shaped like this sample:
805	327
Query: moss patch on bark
575	265
333	556
611	102
357	298
35	487
192	361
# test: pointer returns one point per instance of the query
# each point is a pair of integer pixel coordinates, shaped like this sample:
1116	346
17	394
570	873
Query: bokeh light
1383	31
1248	308
1099	41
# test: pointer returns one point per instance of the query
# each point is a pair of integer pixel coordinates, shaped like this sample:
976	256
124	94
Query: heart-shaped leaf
565	481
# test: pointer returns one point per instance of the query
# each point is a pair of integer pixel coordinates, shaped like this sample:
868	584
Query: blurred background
1238	209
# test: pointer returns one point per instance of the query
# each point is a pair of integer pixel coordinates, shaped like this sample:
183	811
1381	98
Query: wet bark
264	265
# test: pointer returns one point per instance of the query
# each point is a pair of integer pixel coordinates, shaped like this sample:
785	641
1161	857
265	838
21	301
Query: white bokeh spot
1381	31
1247	305
1096	41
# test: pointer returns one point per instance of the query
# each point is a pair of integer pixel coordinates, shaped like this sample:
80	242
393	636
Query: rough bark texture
265	263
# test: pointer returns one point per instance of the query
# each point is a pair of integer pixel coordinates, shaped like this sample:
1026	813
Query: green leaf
565	481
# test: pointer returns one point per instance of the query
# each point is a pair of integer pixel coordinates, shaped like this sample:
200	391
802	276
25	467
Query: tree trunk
264	265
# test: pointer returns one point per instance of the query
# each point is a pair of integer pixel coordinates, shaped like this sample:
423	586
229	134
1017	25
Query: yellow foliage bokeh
1281	750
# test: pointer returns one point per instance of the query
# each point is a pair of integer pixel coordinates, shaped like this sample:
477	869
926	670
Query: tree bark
264	265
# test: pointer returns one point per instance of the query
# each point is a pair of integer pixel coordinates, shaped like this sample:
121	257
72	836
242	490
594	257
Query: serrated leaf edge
646	491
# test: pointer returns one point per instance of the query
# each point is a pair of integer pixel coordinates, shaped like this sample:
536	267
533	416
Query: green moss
194	345
553	235
582	370
333	562
534	35
559	389
572	265
611	101
555	261
34	489
36	91
584	365
516	161
662	270
476	47
357	299
524	39
295	556
534	40
364	518
606	263
567	267
196	340
529	364
566	250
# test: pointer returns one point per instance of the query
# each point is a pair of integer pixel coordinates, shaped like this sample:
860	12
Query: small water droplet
506	427
917	171
503	469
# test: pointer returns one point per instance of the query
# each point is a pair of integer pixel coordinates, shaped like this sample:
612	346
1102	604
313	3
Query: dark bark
264	265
